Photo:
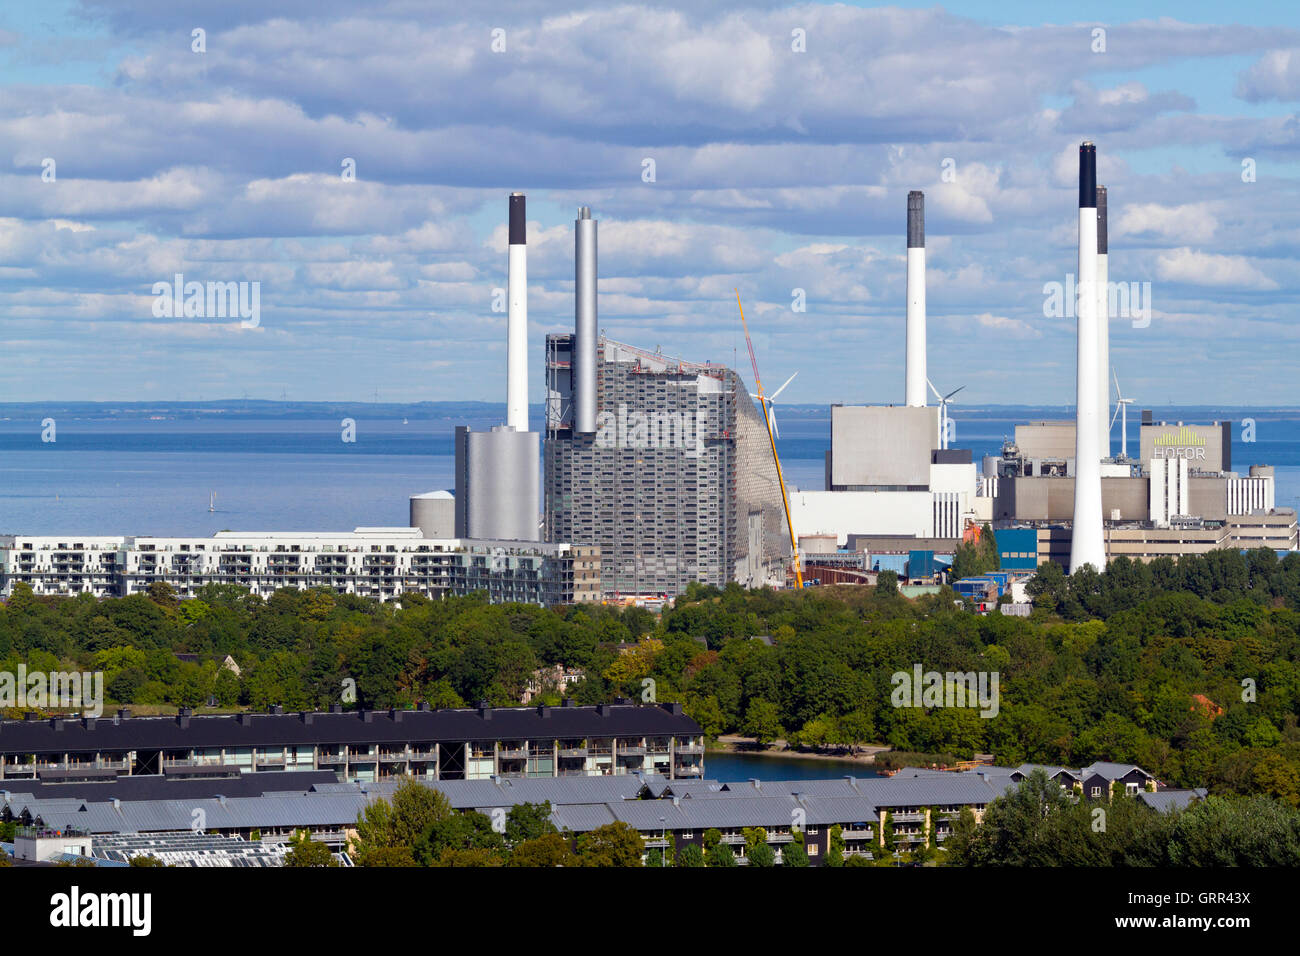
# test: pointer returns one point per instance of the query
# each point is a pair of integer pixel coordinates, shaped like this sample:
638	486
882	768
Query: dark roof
382	726
164	788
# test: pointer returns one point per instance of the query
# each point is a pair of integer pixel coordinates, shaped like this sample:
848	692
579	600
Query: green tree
401	823
835	851
720	855
613	844
459	831
762	721
795	854
550	849
690	855
304	851
528	821
762	855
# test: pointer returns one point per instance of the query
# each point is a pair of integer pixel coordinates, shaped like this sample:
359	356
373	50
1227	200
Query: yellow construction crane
767	421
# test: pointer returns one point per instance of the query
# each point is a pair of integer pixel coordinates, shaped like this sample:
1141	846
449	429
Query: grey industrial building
1181	496
677	482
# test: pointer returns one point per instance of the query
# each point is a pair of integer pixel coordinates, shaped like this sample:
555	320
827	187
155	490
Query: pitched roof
1163	801
279	730
1112	771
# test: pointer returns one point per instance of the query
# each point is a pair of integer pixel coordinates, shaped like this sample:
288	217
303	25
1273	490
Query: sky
783	141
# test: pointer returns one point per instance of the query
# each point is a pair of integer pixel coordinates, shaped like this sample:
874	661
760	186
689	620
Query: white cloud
1209	269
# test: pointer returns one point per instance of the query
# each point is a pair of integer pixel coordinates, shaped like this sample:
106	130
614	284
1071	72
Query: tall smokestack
517	320
1103	326
584	340
916	298
1086	545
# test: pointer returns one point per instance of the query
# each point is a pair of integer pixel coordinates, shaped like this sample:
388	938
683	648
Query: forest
1190	669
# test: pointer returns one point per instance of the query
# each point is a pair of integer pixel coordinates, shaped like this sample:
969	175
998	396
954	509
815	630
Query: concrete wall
1046	439
953	478
841	513
1205	447
1052	499
882	445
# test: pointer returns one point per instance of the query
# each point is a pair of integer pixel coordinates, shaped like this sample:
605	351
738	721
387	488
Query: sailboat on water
212	502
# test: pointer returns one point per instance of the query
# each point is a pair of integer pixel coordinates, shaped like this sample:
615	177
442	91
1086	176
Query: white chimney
1087	546
916	298
517	320
584	339
1103	326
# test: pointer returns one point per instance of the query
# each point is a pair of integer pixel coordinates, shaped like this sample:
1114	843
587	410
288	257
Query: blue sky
776	170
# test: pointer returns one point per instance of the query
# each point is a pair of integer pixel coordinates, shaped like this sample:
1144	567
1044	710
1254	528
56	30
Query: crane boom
767	421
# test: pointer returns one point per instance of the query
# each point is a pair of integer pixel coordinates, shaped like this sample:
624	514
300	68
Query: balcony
631	750
857	833
513	753
393	756
909	817
209	760
690	748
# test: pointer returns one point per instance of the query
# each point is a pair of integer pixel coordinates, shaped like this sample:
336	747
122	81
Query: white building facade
381	563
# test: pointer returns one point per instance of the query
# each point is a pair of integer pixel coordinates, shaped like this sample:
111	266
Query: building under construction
672	476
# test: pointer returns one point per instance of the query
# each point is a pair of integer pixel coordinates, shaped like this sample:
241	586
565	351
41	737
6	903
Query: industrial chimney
517	320
497	471
1103	326
916	383
1086	545
584	339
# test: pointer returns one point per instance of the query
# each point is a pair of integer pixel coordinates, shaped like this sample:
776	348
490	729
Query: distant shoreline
745	746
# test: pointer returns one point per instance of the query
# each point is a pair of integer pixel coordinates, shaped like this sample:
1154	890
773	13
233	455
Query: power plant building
677	482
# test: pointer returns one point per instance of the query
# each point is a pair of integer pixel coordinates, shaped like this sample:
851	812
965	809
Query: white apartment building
380	563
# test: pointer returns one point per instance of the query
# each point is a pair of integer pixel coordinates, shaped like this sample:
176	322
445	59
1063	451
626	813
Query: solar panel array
194	849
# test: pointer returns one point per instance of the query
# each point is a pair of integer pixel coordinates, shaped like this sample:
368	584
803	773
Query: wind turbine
1121	412
944	401
771	403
